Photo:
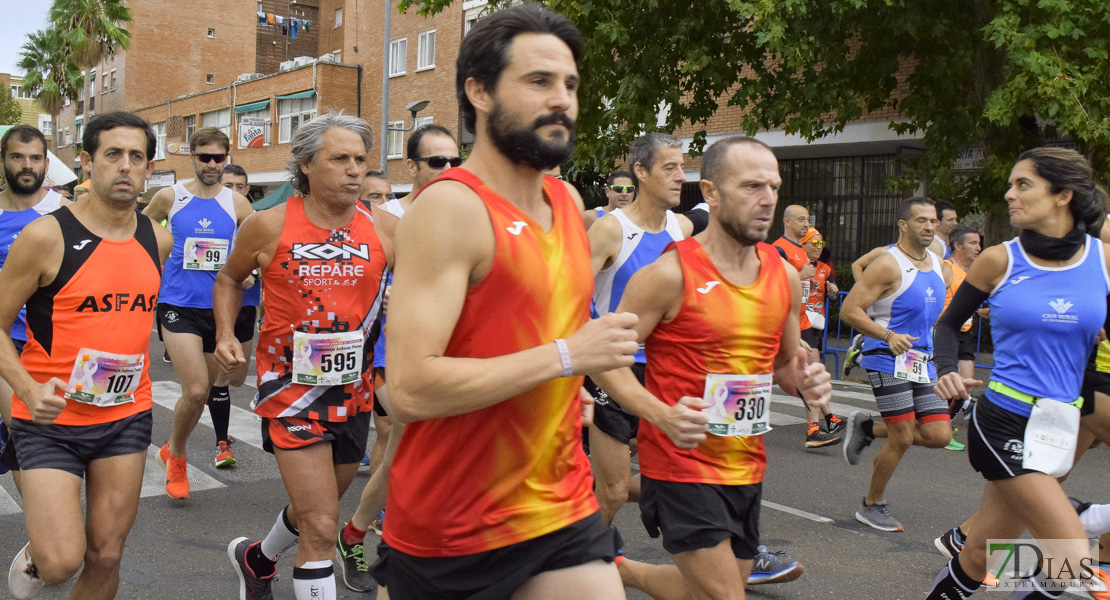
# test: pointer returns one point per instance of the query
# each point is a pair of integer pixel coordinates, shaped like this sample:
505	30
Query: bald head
795	220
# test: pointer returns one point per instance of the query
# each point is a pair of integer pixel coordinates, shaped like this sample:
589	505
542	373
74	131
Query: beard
522	145
24	190
209	178
744	232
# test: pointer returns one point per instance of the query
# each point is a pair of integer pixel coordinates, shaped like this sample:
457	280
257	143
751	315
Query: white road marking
154	477
244	425
796	512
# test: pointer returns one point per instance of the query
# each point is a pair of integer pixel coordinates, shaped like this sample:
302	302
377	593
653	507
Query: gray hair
645	148
308	140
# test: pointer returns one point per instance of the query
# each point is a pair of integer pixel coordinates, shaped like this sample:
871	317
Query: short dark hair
906	207
25	133
943	205
209	135
484	51
615	175
959	235
90	140
418	135
713	165
375	173
1066	169
233	169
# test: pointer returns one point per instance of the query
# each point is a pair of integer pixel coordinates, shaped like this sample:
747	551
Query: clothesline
289	25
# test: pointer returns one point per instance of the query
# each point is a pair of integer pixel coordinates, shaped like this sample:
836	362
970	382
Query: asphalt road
177	548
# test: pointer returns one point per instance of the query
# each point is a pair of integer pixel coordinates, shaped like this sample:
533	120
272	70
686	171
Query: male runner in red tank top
322	258
89	275
489	334
718	314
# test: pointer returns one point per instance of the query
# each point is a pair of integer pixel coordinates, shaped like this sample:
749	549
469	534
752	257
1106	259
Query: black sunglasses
438	162
207	158
623	189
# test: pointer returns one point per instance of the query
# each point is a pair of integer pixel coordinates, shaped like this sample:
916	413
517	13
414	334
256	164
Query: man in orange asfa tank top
89	275
322	259
718	314
489	336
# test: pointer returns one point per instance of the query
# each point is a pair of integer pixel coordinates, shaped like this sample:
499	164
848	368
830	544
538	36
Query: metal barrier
835	351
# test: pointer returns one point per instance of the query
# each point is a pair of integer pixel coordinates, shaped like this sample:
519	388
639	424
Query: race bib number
205	254
327	358
912	365
104	379
739	404
805	290
1050	435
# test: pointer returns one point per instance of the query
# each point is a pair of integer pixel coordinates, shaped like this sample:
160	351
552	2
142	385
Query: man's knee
318	527
900	434
614	492
105	558
936	434
57	566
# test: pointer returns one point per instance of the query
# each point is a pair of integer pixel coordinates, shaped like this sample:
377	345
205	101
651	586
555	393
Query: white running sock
281	538
1096	520
315	580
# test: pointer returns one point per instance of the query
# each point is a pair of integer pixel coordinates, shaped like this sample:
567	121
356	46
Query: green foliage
9	108
1005	75
49	71
92	28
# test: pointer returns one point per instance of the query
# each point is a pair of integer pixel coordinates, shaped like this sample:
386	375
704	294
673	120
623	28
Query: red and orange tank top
327	285
958	276
516	470
720	328
91	325
796	255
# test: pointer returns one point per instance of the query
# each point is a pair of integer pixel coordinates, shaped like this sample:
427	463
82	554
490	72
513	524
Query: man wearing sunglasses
619	190
431	151
203	217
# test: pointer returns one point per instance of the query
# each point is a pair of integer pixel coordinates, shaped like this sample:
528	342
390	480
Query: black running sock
219	407
952	583
868	427
262	566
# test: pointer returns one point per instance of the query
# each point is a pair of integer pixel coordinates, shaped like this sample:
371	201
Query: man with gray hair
622	242
323	258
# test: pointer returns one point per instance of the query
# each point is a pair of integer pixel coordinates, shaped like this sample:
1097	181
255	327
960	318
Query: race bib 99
205	254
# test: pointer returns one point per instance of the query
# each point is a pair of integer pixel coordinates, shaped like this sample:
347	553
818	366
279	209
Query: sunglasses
817	243
207	158
623	189
438	162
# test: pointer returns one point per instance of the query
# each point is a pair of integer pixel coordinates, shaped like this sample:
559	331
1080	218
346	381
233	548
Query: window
17	92
68	136
211	32
338	54
77	129
103	83
44	124
209	79
92	84
471	21
420	122
426	51
190	126
292	113
396	140
338	18
220	119
398	55
255	117
160	147
113	73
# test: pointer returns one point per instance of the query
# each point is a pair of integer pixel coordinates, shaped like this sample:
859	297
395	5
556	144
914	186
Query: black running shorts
7	453
379	381
202	323
609	417
813	337
996	441
71	448
347	438
496	574
695	516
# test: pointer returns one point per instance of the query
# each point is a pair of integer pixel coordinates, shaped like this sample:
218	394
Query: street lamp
413	108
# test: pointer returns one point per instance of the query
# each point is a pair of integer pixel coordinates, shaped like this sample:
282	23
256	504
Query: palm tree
92	30
50	74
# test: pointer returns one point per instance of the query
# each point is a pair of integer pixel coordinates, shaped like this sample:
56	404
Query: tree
9	108
49	72
93	29
1005	75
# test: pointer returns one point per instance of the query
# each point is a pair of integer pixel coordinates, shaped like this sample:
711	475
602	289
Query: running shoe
166	356
23	578
818	438
948	545
177	473
365	462
251	586
953	444
877	515
377	524
990	580
352	566
773	567
852	359
1100	575
224	456
855	440
835	424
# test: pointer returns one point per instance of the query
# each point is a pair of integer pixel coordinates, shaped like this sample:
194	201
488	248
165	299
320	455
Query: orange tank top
101	302
516	470
724	329
958	276
326	284
796	256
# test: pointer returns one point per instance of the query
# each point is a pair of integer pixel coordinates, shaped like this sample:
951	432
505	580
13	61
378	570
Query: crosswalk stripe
154	477
8	504
244	425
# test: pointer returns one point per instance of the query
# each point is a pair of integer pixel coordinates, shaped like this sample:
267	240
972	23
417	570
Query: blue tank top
912	309
191	219
253	295
1044	321
600	211
638	248
12	223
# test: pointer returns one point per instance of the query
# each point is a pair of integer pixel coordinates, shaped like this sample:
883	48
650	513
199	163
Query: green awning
307	94
252	107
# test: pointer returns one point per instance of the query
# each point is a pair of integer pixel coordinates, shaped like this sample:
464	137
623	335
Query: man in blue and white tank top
620	191
203	217
621	243
895	305
23	150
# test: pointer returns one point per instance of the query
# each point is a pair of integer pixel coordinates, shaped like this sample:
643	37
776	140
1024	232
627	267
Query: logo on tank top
121	302
1018	280
517	227
81	245
633	235
929	294
336	262
1061	306
708	286
205	226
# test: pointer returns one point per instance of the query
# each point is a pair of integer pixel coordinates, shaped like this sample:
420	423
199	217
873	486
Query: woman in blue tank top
1047	290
